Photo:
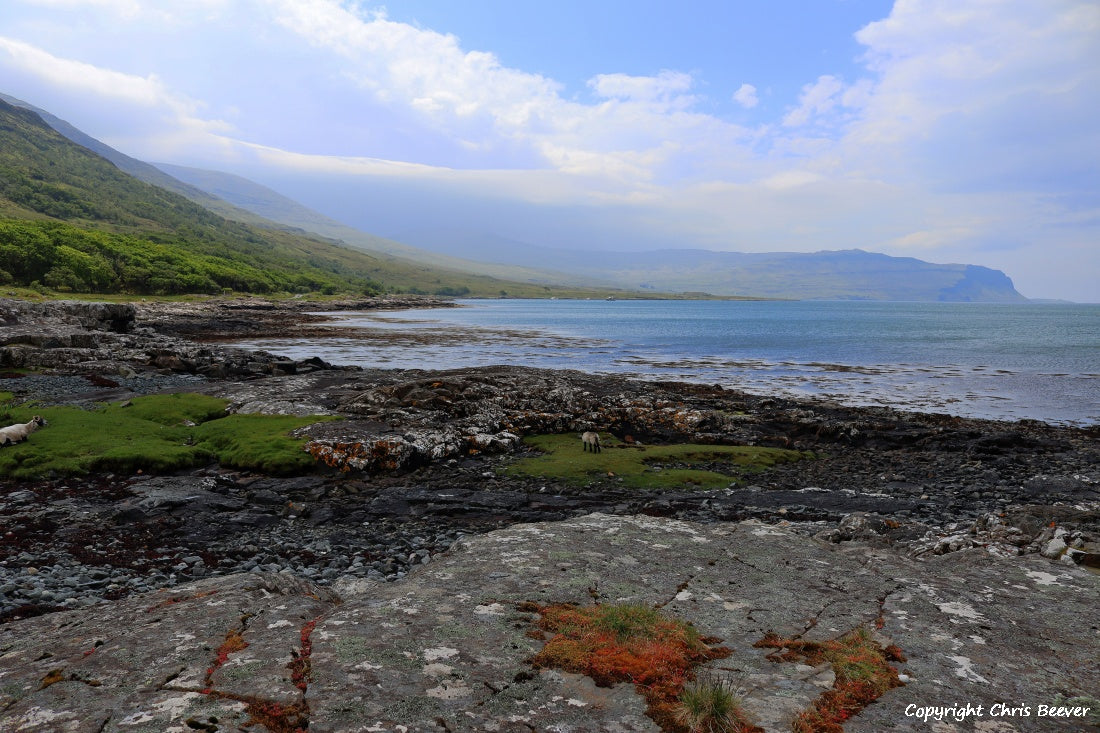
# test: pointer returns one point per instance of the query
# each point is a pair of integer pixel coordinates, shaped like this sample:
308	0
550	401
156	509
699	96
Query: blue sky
775	46
949	130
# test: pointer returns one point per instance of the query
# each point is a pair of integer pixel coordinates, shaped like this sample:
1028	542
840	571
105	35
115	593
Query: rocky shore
412	467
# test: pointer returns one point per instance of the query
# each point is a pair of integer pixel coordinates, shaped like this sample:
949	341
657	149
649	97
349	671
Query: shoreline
438	439
398	592
376	340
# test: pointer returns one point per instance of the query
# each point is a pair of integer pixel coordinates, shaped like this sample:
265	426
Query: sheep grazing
590	442
17	433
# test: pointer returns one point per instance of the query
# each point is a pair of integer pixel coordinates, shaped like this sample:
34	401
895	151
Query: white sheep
17	433
590	442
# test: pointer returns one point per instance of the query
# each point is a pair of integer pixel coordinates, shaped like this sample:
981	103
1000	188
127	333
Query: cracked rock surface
447	647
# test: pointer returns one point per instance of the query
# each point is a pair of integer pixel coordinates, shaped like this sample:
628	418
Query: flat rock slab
447	648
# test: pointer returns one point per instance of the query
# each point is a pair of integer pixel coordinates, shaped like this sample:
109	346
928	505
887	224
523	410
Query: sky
947	130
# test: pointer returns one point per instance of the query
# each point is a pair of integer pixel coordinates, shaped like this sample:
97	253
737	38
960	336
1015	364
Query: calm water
981	360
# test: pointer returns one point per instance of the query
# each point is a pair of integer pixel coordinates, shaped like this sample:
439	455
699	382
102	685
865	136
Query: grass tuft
709	704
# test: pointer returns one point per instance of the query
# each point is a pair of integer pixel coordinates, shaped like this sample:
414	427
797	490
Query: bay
1035	361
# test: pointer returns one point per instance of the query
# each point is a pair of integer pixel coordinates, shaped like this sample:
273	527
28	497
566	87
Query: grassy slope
101	230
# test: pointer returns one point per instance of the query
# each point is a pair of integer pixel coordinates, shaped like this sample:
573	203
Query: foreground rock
447	648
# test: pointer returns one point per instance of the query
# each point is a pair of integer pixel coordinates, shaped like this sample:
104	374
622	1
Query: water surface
979	360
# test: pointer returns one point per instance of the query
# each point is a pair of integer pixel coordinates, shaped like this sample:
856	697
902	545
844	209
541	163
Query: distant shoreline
546	334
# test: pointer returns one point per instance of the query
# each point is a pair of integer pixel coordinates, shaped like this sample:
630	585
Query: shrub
862	671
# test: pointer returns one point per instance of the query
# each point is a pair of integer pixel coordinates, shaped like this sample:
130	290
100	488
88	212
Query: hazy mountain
136	168
271	205
72	220
846	274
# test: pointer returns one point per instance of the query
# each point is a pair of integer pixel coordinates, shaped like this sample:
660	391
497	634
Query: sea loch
1034	361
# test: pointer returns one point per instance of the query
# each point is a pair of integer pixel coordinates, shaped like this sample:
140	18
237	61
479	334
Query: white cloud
125	8
746	96
133	10
974	122
641	129
816	100
147	91
142	109
791	179
936	58
424	69
665	86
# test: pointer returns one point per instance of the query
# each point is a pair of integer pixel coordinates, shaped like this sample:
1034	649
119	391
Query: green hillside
71	221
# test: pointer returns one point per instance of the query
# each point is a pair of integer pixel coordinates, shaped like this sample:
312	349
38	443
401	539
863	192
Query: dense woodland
72	221
63	257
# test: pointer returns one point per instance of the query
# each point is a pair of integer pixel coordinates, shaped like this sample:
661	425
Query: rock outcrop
448	647
122	339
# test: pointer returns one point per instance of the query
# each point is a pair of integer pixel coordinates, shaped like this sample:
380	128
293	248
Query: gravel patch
59	389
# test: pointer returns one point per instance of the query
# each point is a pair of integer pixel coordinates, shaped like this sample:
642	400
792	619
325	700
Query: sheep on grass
18	433
591	442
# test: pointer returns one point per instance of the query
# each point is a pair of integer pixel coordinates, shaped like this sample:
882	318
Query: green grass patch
154	434
646	467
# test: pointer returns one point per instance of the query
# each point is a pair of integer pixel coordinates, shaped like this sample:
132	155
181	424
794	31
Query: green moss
646	467
628	621
169	409
155	434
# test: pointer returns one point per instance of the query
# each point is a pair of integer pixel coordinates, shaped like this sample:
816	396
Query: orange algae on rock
278	718
234	642
614	643
862	675
300	665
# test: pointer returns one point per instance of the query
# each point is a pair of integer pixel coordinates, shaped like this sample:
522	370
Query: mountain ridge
265	202
74	221
852	274
827	274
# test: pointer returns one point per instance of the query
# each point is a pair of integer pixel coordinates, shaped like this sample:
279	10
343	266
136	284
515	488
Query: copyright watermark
959	712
